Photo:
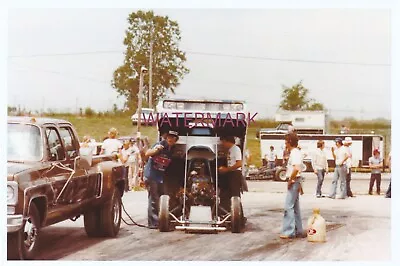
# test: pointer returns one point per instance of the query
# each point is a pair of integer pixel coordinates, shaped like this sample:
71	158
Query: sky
341	55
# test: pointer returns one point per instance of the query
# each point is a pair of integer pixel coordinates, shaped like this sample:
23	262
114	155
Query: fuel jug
316	227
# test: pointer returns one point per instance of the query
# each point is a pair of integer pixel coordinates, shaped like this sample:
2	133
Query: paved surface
355	227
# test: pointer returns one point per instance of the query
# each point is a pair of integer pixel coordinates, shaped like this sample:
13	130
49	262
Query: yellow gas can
316	227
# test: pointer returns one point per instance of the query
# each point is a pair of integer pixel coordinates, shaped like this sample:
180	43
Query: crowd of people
127	151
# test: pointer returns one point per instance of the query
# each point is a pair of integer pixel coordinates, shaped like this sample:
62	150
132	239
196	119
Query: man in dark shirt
160	158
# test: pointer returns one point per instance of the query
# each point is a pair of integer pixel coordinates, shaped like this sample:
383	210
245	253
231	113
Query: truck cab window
55	147
69	142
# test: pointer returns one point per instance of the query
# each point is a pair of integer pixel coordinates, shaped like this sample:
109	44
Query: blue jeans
320	175
292	218
340	174
155	190
271	165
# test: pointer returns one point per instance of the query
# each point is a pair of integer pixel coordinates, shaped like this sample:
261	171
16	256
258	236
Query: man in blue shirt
160	158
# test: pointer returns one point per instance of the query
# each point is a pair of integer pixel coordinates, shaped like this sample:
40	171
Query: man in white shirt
347	143
231	175
292	225
271	158
320	166
376	165
340	156
111	145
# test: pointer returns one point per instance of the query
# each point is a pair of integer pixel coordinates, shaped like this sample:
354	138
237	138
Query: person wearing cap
340	156
376	164
111	145
271	157
292	225
159	158
320	165
347	143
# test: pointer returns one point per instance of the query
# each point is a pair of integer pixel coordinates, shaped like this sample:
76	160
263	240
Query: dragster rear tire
236	215
163	215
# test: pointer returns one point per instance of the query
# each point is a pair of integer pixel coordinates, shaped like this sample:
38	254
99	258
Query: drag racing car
193	184
264	173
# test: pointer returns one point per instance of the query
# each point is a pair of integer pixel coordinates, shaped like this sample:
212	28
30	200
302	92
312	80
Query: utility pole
151	75
143	71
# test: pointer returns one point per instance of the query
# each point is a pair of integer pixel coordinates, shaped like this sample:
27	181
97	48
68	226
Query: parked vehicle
145	116
49	181
264	173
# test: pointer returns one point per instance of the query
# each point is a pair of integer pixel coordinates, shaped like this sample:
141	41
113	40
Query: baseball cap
339	140
348	140
376	151
174	134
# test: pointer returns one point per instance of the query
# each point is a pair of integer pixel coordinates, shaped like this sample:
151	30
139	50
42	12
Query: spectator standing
320	166
124	155
376	164
292	226
271	158
111	145
85	147
347	143
134	163
340	156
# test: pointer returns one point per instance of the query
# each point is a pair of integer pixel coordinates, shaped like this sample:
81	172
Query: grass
98	126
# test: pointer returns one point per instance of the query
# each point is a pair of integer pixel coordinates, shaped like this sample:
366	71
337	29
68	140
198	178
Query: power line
289	60
211	54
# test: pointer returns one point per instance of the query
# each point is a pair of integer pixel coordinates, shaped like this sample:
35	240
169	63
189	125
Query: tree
296	99
168	60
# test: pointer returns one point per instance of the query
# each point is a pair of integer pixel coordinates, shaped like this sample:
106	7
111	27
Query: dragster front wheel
163	215
236	215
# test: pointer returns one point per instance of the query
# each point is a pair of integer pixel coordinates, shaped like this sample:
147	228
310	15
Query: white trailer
303	121
362	146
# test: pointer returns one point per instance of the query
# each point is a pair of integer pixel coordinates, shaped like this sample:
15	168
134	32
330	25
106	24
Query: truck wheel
236	215
163	215
280	175
24	243
91	220
13	246
110	215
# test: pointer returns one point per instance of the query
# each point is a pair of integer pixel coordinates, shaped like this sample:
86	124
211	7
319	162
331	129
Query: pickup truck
49	181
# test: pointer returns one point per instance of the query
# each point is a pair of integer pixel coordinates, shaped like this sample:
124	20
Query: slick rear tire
110	215
91	220
163	215
280	175
236	215
24	244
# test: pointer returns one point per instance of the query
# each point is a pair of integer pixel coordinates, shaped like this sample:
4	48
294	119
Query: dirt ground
354	226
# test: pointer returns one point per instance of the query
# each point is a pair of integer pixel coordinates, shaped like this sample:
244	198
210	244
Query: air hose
133	222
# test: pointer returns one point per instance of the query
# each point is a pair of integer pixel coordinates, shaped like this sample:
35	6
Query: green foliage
168	60
89	112
11	110
296	98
